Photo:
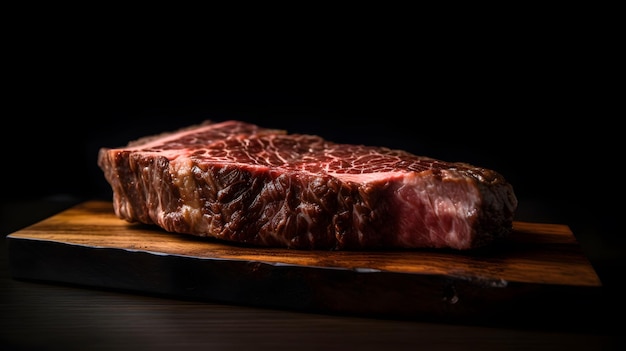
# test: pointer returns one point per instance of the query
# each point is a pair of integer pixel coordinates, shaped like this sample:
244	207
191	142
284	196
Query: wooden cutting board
539	270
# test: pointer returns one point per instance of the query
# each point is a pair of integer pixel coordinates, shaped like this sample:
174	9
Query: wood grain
540	264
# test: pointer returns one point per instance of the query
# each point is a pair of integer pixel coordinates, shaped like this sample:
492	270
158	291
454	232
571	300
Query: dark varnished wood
539	267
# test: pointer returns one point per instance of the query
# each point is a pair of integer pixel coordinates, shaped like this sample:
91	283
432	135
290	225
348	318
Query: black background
533	92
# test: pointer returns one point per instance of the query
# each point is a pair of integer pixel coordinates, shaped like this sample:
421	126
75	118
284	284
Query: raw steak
242	183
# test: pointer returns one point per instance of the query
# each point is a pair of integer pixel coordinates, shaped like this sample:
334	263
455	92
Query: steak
242	183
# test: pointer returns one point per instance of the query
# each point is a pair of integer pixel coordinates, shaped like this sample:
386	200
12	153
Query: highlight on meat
242	183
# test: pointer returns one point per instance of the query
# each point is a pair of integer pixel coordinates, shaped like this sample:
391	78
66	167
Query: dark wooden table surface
49	316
